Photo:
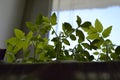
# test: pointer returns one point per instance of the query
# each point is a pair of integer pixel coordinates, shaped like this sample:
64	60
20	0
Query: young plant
33	47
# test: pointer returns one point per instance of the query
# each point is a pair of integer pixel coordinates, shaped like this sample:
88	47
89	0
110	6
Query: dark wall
35	7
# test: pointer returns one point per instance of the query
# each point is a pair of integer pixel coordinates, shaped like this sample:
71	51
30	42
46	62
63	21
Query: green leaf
26	53
52	32
98	26
13	41
46	19
103	56
93	36
26	44
67	28
91	57
66	53
91	30
107	32
86	45
19	45
96	53
31	26
53	19
72	37
45	28
86	53
97	42
42	56
81	36
9	57
79	47
86	24
115	56
19	34
54	39
117	50
79	21
39	19
29	35
66	42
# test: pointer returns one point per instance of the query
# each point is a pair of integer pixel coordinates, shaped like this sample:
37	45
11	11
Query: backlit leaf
86	45
31	26
66	42
95	53
107	32
80	34
78	21
72	37
19	33
9	57
53	19
93	36
29	35
67	28
98	26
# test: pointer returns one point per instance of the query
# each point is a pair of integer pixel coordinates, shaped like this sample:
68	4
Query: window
107	11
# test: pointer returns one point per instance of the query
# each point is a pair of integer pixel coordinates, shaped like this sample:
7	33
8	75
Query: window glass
108	16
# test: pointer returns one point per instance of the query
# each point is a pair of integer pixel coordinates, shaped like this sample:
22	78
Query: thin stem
57	46
34	52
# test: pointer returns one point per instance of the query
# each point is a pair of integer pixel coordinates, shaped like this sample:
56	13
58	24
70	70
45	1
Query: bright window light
107	16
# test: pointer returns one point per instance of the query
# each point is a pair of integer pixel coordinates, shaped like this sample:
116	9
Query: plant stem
34	52
57	46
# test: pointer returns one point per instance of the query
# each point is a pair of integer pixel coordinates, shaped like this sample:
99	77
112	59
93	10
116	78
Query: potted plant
96	39
33	47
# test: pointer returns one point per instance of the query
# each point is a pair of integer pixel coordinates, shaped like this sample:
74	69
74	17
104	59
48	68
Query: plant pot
61	71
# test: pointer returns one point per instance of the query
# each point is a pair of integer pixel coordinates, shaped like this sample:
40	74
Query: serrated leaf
66	42
53	19
93	36
107	32
98	26
19	34
79	21
72	37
